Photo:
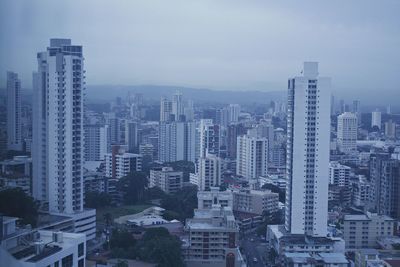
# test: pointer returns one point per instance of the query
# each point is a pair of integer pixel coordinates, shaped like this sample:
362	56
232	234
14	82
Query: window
81	263
67	261
81	249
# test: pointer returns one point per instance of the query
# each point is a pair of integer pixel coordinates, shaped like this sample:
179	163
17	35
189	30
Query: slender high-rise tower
58	134
347	132
165	109
177	106
308	130
14	139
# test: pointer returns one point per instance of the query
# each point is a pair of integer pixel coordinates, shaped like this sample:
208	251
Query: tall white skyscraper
165	109
209	172
308	130
14	137
347	132
97	142
376	119
177	141
177	106
209	137
58	127
234	112
189	111
357	110
252	156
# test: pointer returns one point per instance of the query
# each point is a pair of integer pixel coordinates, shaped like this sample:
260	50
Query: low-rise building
320	259
339	195
206	199
281	242
147	150
255	201
376	258
363	230
120	163
17	173
37	248
339	174
362	192
94	181
166	179
213	239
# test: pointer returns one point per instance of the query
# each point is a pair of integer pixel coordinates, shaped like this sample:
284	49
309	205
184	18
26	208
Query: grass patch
120	211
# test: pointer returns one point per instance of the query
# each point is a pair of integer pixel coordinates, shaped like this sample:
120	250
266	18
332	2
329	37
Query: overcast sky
231	44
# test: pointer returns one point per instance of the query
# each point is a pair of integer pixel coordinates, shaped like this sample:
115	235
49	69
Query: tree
133	187
16	203
171	215
121	263
122	244
97	200
154	193
182	202
107	219
157	245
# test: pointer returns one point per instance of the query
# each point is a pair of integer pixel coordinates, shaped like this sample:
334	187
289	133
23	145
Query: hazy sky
210	43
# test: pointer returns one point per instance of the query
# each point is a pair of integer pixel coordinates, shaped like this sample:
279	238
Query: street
254	248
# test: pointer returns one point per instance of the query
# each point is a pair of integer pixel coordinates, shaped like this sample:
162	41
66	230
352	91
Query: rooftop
365	217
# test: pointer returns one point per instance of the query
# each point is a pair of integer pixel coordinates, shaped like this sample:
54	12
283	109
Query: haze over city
199	133
223	45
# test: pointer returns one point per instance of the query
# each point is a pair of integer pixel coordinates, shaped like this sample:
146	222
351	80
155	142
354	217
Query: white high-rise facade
14	137
234	112
308	133
177	141
97	142
339	174
376	119
58	148
252	157
209	172
357	110
189	111
120	164
209	137
165	109
177	106
347	126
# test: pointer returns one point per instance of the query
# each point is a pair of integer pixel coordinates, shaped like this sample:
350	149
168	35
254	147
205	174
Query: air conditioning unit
39	246
36	236
58	237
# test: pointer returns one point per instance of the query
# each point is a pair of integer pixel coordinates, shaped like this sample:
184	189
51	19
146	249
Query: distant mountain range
105	93
102	94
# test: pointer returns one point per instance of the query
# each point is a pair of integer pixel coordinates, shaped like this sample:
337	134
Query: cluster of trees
97	200
15	202
134	189
156	246
180	205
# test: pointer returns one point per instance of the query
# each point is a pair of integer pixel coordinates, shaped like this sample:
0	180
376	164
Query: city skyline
212	133
160	51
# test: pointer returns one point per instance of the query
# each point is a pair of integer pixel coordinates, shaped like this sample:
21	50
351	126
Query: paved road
253	249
